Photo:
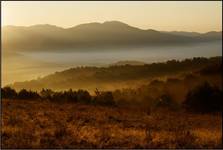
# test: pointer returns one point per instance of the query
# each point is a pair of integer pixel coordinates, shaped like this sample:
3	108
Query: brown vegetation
181	111
42	124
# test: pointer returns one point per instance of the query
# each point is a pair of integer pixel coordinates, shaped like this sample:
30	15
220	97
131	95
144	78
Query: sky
193	16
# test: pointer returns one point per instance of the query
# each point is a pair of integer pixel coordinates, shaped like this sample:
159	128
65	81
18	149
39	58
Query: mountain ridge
110	34
106	23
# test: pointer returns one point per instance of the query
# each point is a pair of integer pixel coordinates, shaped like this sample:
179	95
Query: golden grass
41	124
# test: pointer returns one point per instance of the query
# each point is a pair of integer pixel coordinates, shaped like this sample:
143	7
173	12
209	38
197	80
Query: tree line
83	96
202	98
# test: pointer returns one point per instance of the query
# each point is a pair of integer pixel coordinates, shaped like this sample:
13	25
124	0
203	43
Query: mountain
110	34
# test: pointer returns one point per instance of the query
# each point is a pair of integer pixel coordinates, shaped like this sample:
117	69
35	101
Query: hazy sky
200	16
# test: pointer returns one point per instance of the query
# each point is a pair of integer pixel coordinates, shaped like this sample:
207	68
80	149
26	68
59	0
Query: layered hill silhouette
110	34
96	77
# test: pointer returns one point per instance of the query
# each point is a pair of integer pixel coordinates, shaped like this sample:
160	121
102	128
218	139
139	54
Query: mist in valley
23	66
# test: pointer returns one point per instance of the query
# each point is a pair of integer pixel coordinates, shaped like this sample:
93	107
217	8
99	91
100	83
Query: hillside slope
97	77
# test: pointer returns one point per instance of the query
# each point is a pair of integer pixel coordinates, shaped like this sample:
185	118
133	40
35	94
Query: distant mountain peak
114	22
45	26
107	25
87	24
119	25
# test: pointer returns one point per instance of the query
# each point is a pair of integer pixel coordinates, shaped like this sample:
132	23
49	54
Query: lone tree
204	98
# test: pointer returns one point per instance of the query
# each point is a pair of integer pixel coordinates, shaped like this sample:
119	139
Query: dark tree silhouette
8	92
46	94
83	96
204	98
104	98
24	94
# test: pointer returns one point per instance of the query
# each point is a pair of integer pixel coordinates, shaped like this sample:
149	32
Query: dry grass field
42	124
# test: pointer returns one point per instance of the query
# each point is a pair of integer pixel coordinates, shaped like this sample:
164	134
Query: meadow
44	124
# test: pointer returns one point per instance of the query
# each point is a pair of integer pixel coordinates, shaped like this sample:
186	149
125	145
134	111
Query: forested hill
92	77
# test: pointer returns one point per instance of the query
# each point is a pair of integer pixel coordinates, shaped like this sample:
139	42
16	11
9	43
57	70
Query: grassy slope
33	124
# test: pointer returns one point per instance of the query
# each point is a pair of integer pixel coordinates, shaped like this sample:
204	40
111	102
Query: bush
70	95
57	96
24	94
83	96
204	98
104	98
46	94
166	101
8	92
211	69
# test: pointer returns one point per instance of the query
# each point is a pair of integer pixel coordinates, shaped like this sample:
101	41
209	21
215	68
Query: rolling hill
103	77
